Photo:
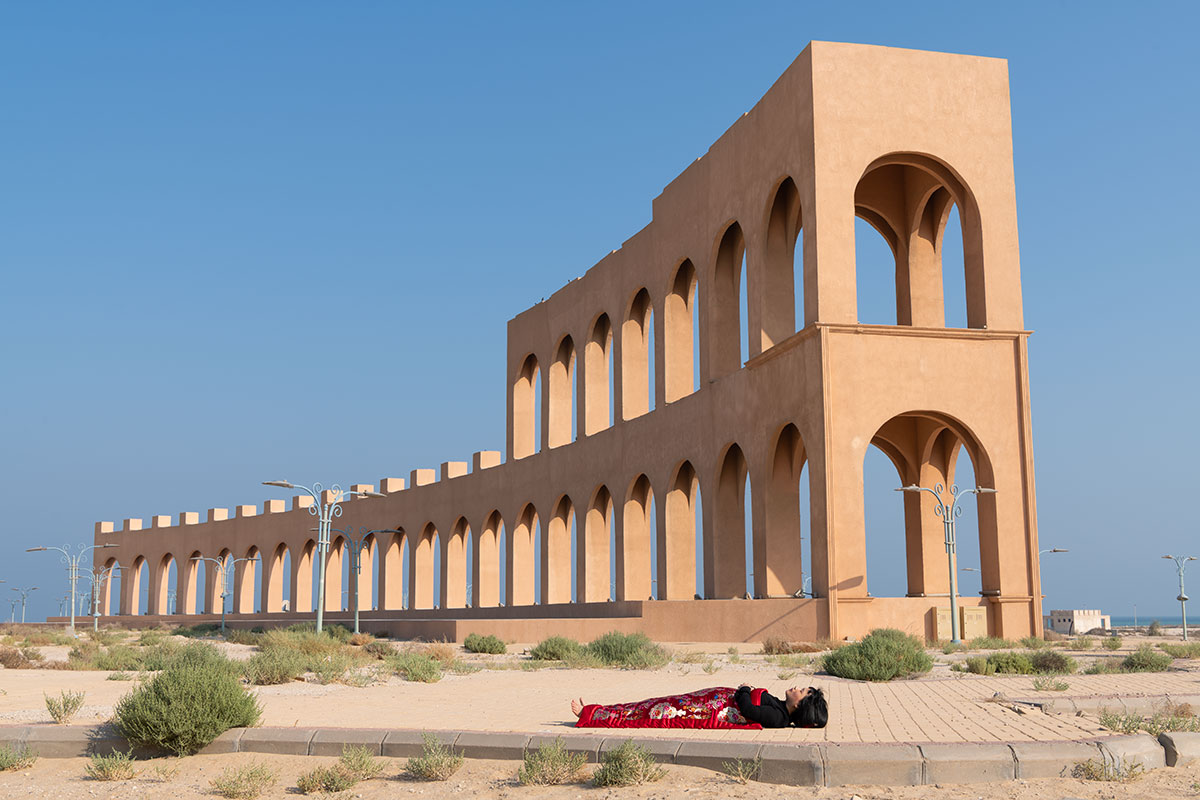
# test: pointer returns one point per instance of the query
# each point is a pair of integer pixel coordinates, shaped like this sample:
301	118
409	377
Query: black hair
812	710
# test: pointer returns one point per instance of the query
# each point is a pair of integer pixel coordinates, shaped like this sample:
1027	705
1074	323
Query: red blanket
707	708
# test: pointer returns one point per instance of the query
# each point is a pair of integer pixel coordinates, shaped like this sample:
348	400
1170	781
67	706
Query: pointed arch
525	408
392	571
725	319
598	377
781	564
522	572
637	527
636	357
556	565
594	569
561	420
677	549
454	563
421	573
783	285
680	366
486	587
728	542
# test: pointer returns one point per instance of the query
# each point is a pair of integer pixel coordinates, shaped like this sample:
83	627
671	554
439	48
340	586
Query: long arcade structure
522	546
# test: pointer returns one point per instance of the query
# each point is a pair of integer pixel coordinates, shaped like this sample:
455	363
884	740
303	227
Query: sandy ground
66	778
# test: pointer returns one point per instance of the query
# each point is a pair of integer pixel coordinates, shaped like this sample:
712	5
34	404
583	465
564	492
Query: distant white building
1077	621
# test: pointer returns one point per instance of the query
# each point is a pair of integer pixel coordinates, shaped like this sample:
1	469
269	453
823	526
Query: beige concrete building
1078	620
629	401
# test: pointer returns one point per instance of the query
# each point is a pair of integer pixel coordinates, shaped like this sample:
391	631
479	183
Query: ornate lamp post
949	511
98	576
226	570
72	561
326	513
1180	565
354	548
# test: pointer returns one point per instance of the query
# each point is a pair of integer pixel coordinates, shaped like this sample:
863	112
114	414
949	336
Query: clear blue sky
248	240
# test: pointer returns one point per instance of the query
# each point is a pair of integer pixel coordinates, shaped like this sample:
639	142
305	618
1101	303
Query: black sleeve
770	713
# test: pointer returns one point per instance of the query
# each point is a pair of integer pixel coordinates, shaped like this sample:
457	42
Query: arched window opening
726	335
165	595
681	342
275	585
883	520
637	381
681	554
653	549
141	587
875	274
786	523
728	544
304	573
248	578
422	574
748	526
638	548
198	600
110	593
557	580
457	571
392	572
526	408
286	602
487	575
562	394
522	555
598	377
743	315
363	578
595	573
701	592
783	269
950	252
469	570
334	573
538	553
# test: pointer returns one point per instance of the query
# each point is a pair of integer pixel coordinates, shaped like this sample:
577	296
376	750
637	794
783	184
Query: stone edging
824	764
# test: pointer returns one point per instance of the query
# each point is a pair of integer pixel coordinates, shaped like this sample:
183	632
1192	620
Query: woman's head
811	710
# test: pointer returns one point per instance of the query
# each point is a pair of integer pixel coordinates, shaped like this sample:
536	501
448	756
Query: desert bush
45	638
1100	769
414	667
13	658
627	765
743	770
151	636
65	706
358	762
952	647
882	655
197	631
989	643
1053	636
437	762
361	640
116	766
584	659
325	780
119	676
1083	642
331	667
696	657
1032	643
1146	659
378	649
245	782
1008	662
628	650
775	646
242	636
710	668
274	666
1104	666
794	661
1112	643
14	757
1052	662
979	665
305	641
1049	685
187	705
1185	650
118	657
1155	629
551	764
442	652
484	644
555	648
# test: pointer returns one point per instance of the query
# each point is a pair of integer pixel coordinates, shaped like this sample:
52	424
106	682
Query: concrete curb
823	764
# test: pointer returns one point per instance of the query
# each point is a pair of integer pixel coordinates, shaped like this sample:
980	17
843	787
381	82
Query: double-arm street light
72	561
1180	565
225	571
98	576
24	592
949	511
326	513
354	547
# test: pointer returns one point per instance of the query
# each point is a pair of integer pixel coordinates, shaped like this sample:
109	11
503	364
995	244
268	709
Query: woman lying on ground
719	707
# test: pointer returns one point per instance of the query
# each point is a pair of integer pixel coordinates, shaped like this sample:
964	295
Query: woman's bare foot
577	706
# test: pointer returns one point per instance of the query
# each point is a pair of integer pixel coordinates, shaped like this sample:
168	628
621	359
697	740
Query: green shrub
106	636
156	657
484	644
243	783
274	666
197	631
1008	662
1112	643
1101	769
151	636
115	767
325	780
882	655
1083	642
119	676
628	650
551	764
187	705
1146	659
627	765
242	636
1049	685
743	770
14	757
379	649
308	642
952	647
1052	662
1104	666
1185	650
331	667
414	667
555	648
1033	643
65	706
359	762
118	657
437	762
1155	629
989	643
980	665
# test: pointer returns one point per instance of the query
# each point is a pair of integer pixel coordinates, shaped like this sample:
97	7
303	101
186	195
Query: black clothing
758	706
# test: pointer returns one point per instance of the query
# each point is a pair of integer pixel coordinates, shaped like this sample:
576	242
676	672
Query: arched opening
164	586
598	377
110	595
469	578
526	408
487	576
557	566
522	572
678	549
196	597
595	571
454	587
782	562
302	582
728	547
140	599
365	587
393	575
276	586
247	582
909	198
681	340
637	549
725	316
562	394
421	575
637	379
783	269
224	581
949	247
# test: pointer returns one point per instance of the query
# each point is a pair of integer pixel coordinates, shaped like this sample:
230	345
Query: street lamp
948	512
13	602
72	562
325	512
24	592
354	548
1053	550
225	567
98	576
1180	564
